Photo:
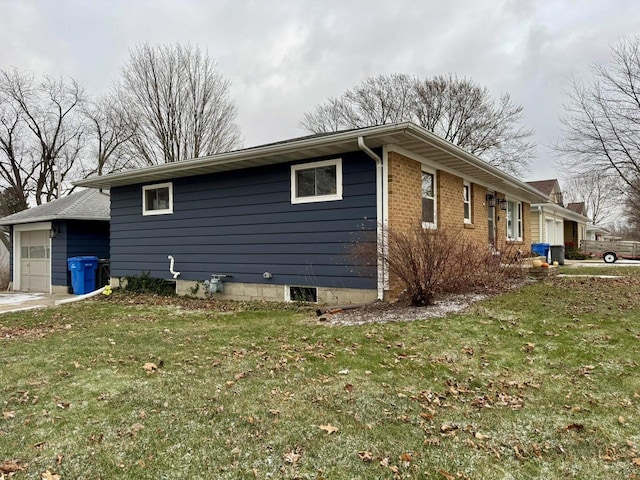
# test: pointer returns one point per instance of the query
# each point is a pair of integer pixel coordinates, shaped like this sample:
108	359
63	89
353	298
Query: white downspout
380	237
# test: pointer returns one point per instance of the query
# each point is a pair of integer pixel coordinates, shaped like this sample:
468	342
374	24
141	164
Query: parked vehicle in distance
611	250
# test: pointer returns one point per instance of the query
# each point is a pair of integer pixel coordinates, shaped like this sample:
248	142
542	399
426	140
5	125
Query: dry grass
541	382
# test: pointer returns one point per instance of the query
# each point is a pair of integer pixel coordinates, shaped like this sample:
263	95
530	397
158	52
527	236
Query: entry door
35	275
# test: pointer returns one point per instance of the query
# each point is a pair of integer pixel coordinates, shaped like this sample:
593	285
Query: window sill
469	225
515	242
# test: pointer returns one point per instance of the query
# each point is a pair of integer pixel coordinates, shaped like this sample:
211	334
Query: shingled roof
577	207
545	186
84	205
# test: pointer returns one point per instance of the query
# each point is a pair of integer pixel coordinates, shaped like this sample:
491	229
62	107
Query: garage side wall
75	238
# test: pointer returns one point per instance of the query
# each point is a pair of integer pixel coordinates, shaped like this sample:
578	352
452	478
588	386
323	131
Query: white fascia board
561	212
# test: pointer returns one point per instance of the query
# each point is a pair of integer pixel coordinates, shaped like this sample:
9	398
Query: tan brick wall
405	193
450	204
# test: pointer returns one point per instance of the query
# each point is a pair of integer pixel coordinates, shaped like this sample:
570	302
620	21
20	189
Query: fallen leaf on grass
621	420
586	370
10	467
406	457
636	461
348	387
575	426
328	428
150	368
8	415
447	475
448	427
365	456
50	476
480	436
291	457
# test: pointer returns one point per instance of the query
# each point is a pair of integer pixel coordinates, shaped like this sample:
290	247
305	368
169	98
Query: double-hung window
466	197
428	199
157	199
514	220
316	181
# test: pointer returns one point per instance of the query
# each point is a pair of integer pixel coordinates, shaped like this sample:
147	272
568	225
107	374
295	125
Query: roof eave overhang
407	135
5	223
562	211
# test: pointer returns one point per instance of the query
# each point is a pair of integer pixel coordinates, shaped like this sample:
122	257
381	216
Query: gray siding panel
242	223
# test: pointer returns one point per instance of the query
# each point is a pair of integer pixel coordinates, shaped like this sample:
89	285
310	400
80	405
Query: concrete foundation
273	293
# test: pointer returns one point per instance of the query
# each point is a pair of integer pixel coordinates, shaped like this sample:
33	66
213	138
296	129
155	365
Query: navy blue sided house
302	219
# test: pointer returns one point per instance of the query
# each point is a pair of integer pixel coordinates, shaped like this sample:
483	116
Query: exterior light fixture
503	204
492	201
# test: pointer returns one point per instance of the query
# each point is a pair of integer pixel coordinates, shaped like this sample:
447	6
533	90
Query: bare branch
454	109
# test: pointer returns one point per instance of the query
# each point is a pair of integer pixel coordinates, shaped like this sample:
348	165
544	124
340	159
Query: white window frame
157	186
466	186
433	224
518	220
337	162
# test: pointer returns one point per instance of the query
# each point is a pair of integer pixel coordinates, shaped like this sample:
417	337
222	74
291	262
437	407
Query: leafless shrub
430	262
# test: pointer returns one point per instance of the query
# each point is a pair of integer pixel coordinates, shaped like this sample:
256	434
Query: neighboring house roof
83	205
545	186
596	229
407	136
577	207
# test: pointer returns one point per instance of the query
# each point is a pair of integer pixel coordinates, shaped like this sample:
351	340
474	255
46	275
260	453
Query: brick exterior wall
405	208
405	193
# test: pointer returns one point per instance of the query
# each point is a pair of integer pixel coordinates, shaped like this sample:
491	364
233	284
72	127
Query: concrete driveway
18	301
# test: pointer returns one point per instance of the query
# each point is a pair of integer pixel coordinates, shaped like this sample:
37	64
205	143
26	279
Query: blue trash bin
541	249
83	274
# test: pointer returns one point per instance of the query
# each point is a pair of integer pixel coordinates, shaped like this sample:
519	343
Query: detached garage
43	237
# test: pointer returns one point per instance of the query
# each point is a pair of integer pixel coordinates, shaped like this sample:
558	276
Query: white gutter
380	244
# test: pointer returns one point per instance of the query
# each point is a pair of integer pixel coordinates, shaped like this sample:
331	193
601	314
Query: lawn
542	382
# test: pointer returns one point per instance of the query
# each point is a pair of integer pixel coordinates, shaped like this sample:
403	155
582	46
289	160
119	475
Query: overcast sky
284	57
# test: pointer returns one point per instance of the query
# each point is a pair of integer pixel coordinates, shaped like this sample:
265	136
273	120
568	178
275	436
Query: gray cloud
283	57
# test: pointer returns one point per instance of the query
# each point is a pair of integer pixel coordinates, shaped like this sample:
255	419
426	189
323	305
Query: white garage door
34	258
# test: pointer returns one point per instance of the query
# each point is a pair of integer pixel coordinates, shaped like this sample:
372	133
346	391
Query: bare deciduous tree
110	127
600	194
41	134
179	102
601	122
455	109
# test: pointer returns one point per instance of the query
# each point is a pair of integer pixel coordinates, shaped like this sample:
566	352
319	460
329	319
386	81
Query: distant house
596	232
43	237
281	221
552	222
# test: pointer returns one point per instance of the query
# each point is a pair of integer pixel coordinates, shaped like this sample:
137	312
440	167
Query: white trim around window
429	198
514	220
316	181
157	199
466	198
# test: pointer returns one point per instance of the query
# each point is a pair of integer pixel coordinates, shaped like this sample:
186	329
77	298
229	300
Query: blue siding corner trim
242	223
